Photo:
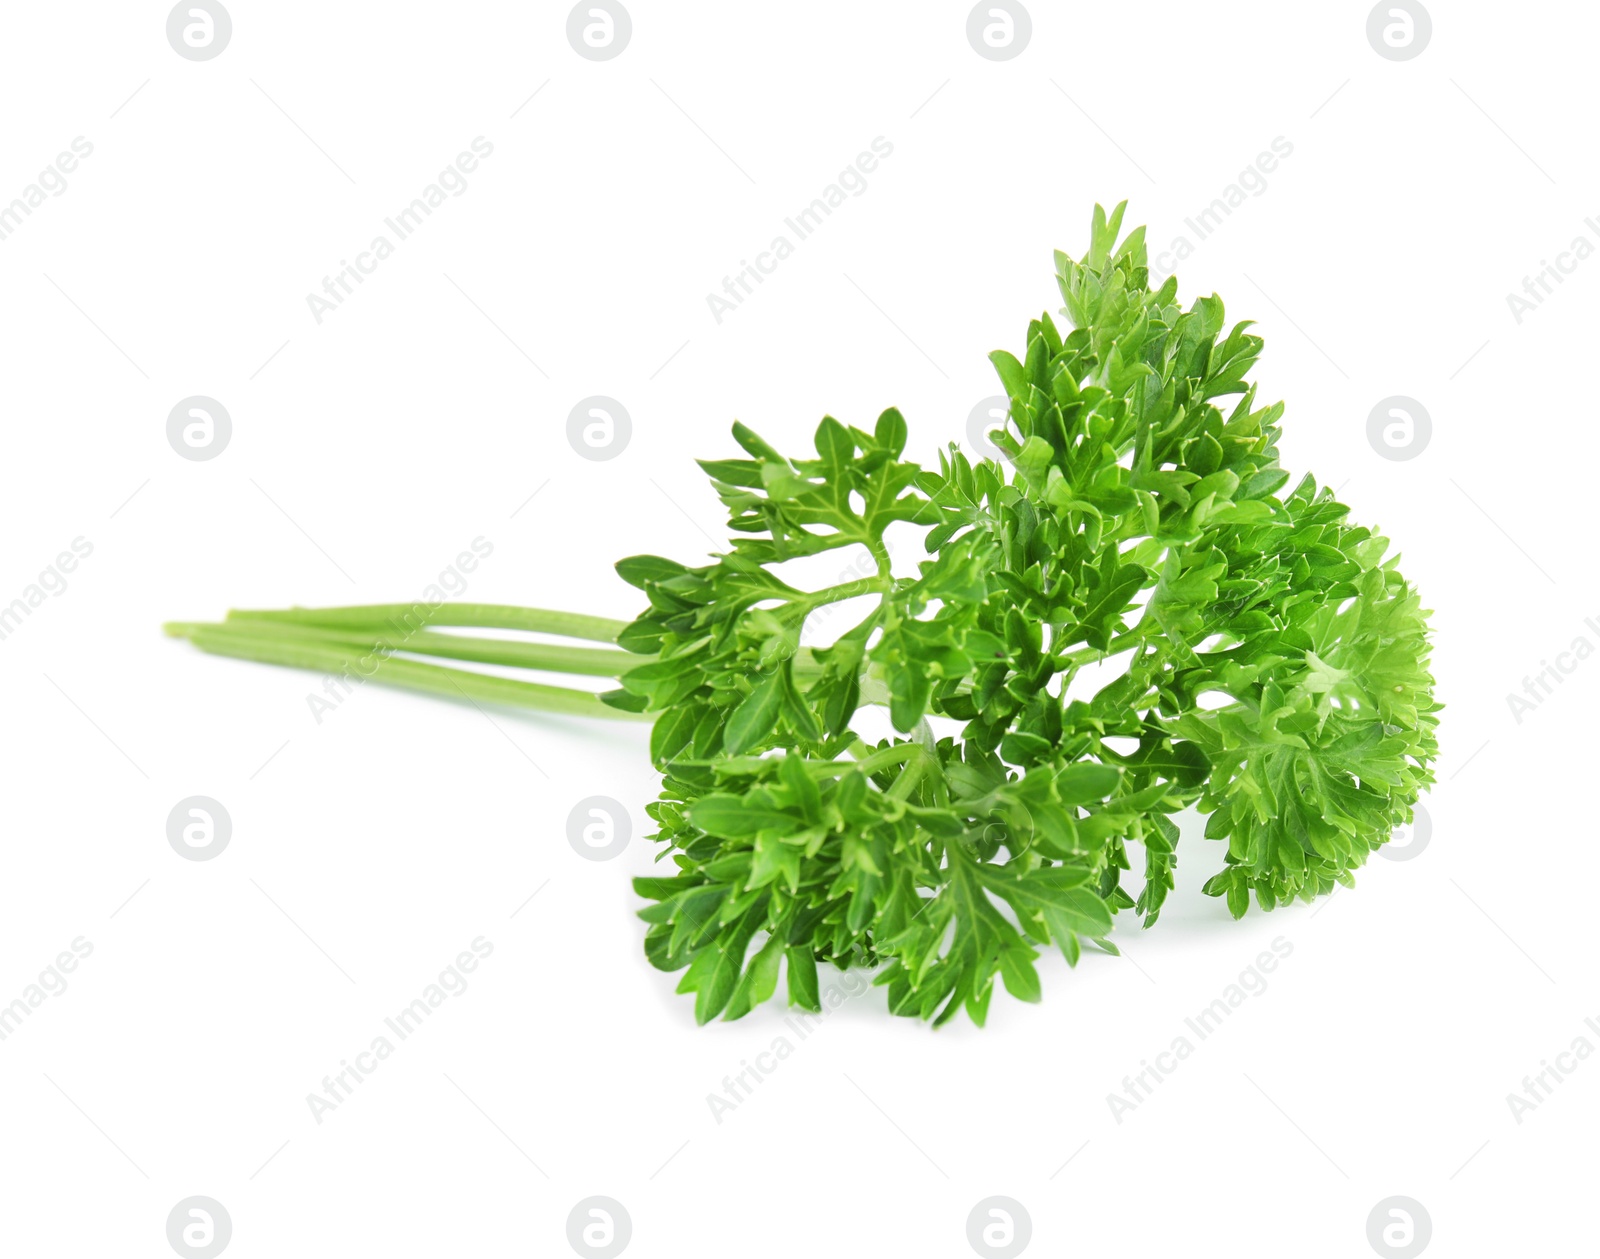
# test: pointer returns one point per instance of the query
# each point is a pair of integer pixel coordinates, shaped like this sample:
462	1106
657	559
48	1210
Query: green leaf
754	718
1016	968
1086	782
760	980
711	977
637	570
891	432
1011	374
795	709
671	732
737	817
802	971
834	445
775	859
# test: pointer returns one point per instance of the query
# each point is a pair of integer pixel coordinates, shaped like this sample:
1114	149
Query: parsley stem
247	642
895	754
603	662
403	617
848	590
909	776
1088	655
880	553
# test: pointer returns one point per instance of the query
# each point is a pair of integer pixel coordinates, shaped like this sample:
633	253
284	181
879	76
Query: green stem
847	590
405	617
880	554
346	660
1087	655
552	658
895	754
904	785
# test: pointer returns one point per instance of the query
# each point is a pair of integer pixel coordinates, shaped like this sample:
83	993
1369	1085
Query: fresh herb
1273	673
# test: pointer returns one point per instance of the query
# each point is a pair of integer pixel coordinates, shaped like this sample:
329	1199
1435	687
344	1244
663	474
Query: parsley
1140	520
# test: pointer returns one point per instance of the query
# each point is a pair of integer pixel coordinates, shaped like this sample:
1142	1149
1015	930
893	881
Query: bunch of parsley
1139	523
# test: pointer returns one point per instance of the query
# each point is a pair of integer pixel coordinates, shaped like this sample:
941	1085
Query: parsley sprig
1273	673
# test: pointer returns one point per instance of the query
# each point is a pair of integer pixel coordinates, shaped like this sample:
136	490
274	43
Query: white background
369	450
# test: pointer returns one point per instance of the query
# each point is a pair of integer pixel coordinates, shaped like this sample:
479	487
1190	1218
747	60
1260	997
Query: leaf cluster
1270	669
